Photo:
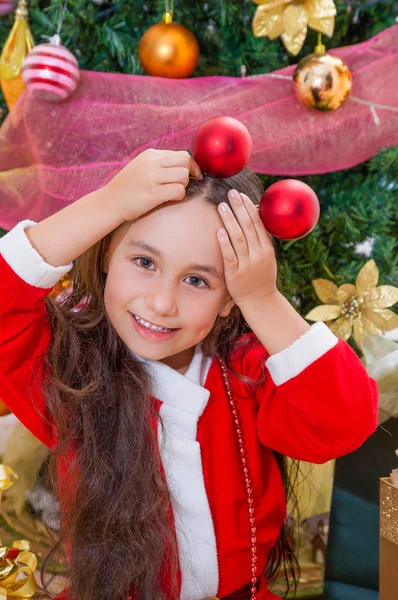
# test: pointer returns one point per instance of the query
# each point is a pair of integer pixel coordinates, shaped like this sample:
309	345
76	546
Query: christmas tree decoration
51	71
7	478
360	309
289	209
290	20
222	146
168	49
7	6
380	356
17	567
17	46
321	81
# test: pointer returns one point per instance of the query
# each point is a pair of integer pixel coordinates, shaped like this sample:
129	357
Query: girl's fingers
236	235
170	191
244	218
176	175
194	169
181	158
228	253
175	158
253	211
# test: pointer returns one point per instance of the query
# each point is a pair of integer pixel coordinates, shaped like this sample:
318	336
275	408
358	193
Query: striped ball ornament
51	71
7	6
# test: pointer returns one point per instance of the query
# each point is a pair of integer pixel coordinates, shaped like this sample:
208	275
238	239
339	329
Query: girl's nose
161	298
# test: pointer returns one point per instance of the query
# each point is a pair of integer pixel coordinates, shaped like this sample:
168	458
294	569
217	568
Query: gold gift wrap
388	540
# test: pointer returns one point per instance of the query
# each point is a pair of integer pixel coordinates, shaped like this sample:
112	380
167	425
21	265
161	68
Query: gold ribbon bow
17	564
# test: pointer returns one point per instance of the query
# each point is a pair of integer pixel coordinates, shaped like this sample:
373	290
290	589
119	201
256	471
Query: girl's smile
151	332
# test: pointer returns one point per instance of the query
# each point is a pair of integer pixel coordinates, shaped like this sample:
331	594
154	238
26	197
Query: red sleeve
326	410
25	335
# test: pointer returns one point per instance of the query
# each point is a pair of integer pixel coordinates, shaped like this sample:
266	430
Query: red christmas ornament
51	71
222	146
289	209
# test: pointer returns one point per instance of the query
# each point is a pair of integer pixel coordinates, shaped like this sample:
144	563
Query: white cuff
26	262
301	354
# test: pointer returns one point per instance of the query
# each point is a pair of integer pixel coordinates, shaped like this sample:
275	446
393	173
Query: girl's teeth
149	326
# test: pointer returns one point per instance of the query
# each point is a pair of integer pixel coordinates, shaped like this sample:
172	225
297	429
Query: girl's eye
196	281
145	263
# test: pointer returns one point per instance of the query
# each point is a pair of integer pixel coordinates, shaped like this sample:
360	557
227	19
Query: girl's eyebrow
196	267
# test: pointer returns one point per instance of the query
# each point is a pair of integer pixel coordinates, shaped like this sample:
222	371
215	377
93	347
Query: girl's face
165	271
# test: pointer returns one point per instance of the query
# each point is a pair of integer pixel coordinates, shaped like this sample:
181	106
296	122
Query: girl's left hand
248	254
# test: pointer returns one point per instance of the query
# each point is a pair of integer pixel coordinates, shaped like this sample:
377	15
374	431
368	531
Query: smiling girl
171	396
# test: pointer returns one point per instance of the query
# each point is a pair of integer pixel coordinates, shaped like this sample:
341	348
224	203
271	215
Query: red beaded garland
247	480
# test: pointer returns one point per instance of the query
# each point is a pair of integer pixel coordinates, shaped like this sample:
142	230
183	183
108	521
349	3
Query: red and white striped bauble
7	6
51	71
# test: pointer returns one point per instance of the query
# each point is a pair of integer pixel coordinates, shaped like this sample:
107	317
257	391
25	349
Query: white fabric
184	399
307	349
17	250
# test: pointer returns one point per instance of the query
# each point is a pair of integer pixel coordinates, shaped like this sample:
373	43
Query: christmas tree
358	205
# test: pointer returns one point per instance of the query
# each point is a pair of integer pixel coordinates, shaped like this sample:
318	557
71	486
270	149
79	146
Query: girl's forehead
188	227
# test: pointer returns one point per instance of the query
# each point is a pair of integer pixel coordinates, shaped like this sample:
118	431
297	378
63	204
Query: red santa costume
317	403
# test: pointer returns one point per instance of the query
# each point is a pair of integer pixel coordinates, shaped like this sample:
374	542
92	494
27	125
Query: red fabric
326	411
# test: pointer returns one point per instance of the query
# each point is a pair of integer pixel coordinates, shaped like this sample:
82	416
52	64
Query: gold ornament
17	564
291	18
360	308
17	46
168	49
322	81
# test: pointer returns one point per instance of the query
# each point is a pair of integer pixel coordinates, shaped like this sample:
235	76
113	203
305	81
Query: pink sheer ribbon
52	154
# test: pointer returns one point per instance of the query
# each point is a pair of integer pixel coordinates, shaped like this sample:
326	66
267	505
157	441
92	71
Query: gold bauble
168	50
322	82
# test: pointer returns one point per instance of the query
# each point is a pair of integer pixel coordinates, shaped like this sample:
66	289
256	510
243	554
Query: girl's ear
226	307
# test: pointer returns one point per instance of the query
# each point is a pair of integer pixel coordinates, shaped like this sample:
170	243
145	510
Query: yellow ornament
322	81
17	46
290	19
359	308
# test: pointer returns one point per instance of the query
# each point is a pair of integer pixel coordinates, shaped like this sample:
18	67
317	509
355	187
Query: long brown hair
116	521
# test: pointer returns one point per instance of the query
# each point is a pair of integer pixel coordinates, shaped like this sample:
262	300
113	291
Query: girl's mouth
151	332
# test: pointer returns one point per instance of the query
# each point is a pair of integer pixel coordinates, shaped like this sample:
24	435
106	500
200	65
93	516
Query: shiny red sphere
222	146
289	209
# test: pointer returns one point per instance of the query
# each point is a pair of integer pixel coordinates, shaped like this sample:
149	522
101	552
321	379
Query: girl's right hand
151	178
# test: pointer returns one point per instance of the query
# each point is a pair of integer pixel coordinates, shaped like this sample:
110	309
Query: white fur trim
301	354
27	263
184	399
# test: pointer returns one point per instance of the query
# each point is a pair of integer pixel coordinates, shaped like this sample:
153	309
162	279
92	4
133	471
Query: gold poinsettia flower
359	308
291	18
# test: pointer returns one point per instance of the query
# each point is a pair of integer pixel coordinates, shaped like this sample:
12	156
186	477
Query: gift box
388	540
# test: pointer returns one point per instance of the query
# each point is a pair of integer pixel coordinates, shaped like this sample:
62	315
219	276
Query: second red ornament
289	209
